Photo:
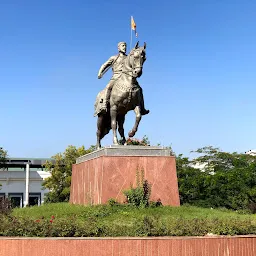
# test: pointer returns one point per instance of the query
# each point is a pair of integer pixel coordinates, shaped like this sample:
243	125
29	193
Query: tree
227	179
3	158
191	181
60	180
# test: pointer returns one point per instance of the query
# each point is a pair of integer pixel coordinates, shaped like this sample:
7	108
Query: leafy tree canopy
60	180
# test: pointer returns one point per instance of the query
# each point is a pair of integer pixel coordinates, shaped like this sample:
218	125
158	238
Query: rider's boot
143	111
106	100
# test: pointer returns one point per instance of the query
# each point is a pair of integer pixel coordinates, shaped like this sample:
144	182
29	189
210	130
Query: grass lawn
122	220
125	213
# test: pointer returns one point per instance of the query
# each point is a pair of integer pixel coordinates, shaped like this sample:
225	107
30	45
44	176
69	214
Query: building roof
22	162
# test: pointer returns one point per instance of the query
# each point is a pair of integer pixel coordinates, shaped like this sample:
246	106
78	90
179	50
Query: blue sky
199	78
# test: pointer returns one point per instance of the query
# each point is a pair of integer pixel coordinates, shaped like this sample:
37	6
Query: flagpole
131	35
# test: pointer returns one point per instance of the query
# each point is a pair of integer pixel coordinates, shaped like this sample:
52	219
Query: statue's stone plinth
126	151
107	172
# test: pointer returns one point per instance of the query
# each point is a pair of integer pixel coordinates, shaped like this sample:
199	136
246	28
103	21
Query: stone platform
107	172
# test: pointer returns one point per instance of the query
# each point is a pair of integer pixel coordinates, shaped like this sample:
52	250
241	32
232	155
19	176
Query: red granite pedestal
99	177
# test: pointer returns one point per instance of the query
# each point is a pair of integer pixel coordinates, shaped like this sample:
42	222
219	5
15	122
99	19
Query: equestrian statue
122	94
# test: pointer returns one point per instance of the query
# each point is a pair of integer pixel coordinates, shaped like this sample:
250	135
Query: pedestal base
106	173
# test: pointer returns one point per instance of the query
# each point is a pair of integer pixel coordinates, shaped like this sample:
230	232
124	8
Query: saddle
124	88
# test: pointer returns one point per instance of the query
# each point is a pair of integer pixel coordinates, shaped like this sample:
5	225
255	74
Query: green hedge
103	221
149	226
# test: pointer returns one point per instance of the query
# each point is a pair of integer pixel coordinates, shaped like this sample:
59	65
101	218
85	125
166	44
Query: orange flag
133	26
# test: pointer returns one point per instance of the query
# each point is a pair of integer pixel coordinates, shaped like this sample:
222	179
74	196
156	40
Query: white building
251	152
22	179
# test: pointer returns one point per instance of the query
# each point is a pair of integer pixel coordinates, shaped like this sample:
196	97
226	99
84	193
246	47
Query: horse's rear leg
137	122
113	114
120	120
100	128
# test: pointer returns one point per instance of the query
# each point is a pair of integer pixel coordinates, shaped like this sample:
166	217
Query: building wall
15	182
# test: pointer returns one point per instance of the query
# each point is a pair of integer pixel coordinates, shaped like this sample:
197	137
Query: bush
154	204
112	202
123	220
148	225
144	142
5	206
139	196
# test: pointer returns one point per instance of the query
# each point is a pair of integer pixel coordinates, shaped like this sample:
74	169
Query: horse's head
137	59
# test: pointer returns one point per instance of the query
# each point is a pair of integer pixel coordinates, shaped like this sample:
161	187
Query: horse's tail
99	102
106	123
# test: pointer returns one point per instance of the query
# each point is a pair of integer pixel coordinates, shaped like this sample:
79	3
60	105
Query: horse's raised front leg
113	114
120	120
137	121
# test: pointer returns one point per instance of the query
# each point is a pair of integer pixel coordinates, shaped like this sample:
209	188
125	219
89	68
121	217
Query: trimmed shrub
148	225
5	206
139	196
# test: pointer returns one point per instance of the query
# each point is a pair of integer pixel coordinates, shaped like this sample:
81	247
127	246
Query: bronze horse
125	96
